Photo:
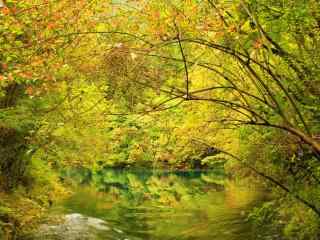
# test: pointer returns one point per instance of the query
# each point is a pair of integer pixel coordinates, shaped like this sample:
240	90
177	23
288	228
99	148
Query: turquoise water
142	205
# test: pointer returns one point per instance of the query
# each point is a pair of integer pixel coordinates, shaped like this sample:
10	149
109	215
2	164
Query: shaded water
142	205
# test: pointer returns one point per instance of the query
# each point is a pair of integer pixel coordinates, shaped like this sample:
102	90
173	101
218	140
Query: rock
74	227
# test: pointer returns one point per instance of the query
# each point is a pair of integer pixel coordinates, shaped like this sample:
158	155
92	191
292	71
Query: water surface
159	205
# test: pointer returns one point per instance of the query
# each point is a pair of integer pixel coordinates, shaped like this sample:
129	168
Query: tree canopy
162	84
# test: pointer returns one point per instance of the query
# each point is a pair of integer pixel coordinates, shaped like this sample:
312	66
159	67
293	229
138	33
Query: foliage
263	215
162	84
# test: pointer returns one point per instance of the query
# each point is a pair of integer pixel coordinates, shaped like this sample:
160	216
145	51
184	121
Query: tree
241	56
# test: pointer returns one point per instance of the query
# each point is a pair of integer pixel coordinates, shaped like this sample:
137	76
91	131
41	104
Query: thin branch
184	60
219	13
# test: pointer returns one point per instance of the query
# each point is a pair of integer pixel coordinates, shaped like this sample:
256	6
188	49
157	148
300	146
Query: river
160	205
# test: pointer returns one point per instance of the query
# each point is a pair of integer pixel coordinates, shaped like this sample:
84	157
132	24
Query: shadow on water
163	205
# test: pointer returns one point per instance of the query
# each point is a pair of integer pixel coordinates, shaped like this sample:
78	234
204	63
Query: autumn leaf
4	66
37	62
29	91
5	11
232	28
156	15
27	75
258	44
10	77
51	26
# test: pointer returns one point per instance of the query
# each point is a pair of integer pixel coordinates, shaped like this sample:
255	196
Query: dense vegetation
161	84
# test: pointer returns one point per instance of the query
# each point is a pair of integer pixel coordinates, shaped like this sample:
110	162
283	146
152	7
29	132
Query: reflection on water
168	205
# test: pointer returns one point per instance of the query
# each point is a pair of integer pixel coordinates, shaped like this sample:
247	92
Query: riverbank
18	214
24	208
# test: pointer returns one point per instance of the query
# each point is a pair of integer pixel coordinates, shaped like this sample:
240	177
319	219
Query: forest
160	119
